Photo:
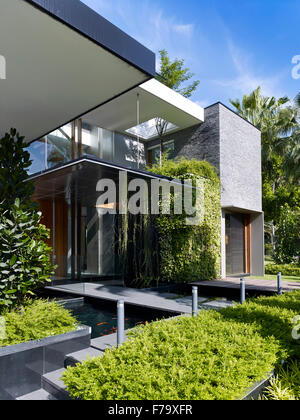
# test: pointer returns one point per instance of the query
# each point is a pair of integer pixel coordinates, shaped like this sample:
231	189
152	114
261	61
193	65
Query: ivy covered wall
165	249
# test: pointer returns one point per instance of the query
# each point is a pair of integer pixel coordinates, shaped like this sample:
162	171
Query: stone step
106	342
39	395
52	383
78	357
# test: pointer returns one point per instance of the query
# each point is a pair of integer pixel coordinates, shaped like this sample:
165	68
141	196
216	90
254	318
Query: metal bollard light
279	284
195	301
243	291
121	323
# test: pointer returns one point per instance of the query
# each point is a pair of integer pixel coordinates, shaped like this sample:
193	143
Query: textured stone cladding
198	142
233	146
240	162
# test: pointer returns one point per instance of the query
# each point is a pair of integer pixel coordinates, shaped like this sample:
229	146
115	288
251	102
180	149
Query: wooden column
79	130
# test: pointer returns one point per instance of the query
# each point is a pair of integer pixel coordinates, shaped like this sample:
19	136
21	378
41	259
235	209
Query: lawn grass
274	277
215	356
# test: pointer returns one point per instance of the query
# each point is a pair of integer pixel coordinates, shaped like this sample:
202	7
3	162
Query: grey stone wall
240	162
233	146
199	142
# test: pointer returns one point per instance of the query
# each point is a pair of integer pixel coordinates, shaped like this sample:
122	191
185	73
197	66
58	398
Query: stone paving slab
130	296
108	341
39	395
251	284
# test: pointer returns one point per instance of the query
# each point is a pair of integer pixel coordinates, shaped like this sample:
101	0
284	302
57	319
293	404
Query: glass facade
75	140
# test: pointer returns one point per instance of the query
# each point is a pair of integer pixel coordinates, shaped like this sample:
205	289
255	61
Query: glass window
154	153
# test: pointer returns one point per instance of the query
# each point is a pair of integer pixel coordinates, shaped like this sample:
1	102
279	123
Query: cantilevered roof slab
141	105
59	60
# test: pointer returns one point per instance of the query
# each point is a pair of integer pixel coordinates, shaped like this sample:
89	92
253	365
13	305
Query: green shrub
24	255
284	269
286	384
217	355
36	320
14	163
287	235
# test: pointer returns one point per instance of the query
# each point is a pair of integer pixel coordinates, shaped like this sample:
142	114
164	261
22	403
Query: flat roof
61	61
155	101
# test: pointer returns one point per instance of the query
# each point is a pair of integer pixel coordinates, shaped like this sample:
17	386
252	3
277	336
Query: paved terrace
251	284
167	302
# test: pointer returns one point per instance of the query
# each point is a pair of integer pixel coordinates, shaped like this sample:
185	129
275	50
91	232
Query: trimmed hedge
284	269
36	320
216	356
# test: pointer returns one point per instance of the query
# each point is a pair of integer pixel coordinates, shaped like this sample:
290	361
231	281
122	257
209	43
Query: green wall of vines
163	249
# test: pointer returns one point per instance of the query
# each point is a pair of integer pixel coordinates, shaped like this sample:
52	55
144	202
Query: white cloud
185	30
247	79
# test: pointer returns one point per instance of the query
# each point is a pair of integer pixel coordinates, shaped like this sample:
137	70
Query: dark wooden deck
252	285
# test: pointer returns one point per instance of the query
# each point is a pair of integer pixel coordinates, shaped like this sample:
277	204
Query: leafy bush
217	355
284	269
36	320
287	235
24	256
14	162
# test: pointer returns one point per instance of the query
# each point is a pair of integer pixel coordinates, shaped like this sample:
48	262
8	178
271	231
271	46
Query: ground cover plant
217	355
286	383
34	320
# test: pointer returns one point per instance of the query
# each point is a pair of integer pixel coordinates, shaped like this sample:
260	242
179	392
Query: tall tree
277	120
174	75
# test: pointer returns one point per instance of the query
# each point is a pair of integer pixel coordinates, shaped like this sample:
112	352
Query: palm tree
276	119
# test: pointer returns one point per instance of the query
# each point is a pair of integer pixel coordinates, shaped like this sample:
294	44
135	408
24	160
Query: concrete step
52	383
39	395
78	357
106	342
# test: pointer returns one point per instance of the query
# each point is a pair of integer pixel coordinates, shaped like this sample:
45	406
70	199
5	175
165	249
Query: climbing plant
163	248
191	252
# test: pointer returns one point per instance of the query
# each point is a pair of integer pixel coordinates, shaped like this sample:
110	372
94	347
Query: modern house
84	95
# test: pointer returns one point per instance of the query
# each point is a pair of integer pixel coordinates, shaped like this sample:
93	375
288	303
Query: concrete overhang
155	100
58	61
234	209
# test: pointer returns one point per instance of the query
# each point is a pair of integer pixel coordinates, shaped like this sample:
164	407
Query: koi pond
102	316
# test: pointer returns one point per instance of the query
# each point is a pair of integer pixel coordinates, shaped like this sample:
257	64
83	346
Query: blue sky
232	46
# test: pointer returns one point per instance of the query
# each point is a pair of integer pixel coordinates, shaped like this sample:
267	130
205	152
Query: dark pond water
102	318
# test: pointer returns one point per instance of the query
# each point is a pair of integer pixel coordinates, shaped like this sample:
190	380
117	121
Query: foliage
24	256
284	269
279	126
191	252
286	384
287	235
163	248
14	162
217	355
36	320
173	74
274	117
